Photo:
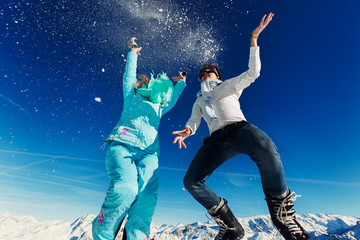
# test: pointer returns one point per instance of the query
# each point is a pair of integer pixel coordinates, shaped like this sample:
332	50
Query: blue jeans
223	144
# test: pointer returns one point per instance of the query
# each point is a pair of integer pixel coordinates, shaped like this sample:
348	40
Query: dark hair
143	78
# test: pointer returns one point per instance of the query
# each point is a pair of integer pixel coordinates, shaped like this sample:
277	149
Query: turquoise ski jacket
140	118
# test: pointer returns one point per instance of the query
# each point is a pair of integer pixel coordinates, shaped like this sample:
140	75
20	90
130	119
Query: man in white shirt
231	134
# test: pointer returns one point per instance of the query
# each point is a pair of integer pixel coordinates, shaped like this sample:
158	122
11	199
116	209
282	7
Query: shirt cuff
192	130
181	81
132	53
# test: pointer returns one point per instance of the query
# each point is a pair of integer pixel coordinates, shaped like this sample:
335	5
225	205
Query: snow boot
283	216
118	230
230	228
124	235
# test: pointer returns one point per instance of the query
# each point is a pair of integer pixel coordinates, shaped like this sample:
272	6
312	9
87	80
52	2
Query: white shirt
225	98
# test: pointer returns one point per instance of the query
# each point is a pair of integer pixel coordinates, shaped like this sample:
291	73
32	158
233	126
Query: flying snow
67	47
170	32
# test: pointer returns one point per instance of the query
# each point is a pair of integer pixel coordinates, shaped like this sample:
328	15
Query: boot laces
222	228
286	213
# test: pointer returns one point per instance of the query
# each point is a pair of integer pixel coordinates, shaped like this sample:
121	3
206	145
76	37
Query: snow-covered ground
319	226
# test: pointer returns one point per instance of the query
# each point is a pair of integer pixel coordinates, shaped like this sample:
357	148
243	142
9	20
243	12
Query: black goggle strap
210	69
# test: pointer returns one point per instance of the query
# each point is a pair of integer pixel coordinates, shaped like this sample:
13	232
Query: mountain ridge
320	226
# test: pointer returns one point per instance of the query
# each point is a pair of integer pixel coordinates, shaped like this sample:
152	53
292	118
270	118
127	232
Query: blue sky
55	59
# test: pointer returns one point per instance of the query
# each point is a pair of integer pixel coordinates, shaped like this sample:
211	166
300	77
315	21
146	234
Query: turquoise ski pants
133	185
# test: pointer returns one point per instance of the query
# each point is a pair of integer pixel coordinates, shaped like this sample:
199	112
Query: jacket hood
160	89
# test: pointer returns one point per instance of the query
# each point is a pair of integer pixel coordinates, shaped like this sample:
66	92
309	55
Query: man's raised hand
263	23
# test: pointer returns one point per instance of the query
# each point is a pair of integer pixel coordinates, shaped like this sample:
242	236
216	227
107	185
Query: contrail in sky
53	156
24	166
15	104
314	181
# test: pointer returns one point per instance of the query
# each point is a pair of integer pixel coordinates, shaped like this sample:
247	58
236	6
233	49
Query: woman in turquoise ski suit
132	156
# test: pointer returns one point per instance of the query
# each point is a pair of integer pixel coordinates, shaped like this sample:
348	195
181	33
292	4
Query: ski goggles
209	68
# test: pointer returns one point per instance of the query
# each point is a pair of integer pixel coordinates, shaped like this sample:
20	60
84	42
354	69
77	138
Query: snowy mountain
319	226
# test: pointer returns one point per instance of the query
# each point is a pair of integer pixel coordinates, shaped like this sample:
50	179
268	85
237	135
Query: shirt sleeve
129	78
178	89
194	122
245	79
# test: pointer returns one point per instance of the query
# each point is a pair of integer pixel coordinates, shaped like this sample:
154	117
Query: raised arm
263	23
130	72
178	89
245	79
